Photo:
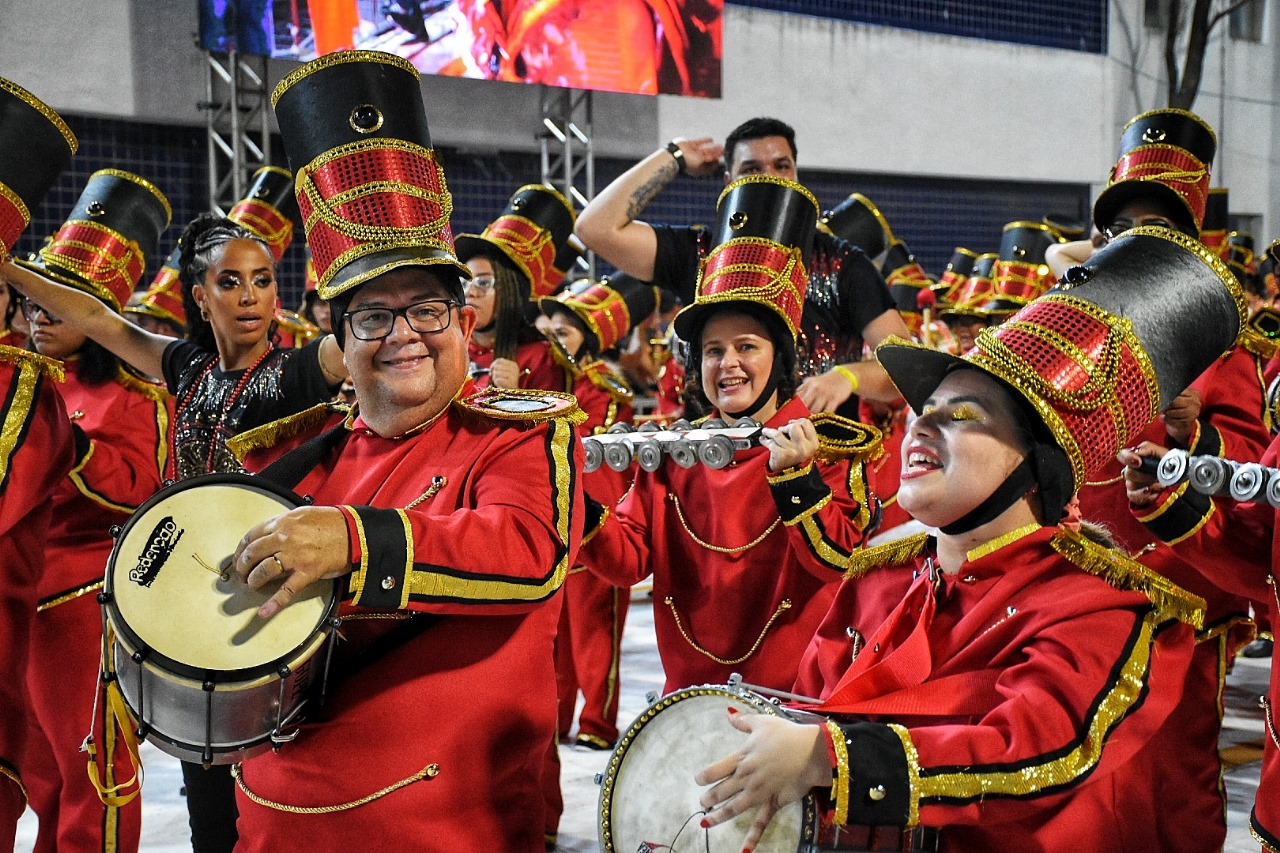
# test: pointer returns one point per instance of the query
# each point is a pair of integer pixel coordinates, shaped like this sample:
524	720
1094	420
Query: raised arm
136	346
608	225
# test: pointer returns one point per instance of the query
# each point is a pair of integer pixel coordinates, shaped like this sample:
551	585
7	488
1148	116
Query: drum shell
234	720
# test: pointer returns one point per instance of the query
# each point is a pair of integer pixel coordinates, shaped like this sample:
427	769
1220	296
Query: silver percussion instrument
205	679
1213	475
712	443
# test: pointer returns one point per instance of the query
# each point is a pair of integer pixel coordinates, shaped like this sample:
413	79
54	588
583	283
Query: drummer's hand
1140	486
790	446
305	545
504	373
778	764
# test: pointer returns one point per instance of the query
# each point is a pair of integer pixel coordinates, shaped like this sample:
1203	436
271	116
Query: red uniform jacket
744	564
36	452
476	517
1189	769
1017	687
1236	543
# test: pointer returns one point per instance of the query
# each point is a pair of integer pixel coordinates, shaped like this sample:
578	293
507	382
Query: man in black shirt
847	303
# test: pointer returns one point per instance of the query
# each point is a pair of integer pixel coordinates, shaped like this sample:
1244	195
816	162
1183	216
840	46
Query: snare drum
206	679
649	802
648	799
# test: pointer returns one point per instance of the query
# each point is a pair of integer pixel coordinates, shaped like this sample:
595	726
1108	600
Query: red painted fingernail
732	710
705	823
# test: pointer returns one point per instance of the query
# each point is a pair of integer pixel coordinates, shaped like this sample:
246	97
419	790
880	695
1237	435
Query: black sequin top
209	410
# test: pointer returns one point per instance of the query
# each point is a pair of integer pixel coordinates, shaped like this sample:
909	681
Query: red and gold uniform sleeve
615	545
123	451
36	452
603	410
1234	403
1068	709
823	507
506	547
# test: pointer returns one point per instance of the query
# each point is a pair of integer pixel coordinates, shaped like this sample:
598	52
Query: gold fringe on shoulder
290	426
137	384
888	554
50	367
523	405
1124	572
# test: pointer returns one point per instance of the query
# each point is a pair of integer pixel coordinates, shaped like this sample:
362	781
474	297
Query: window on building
1246	21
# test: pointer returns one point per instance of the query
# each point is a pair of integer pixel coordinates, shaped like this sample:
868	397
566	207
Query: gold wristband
847	374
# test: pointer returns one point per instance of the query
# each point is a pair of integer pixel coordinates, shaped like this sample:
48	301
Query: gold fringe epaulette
1124	572
134	382
842	438
1261	335
889	554
603	377
50	367
523	405
290	426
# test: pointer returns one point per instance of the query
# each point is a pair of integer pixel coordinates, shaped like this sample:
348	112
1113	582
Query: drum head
648	795
170	594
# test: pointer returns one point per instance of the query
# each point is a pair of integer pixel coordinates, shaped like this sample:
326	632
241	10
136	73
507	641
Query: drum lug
599	778
308	500
279	738
114	530
103	597
651	697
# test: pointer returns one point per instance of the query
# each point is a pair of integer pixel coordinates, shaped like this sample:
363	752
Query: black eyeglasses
31	311
426	317
1115	229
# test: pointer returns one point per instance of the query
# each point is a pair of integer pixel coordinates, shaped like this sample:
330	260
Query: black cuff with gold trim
879	786
1207	441
1178	517
596	513
797	491
386	555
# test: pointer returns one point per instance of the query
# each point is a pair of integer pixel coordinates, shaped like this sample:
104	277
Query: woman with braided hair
227	376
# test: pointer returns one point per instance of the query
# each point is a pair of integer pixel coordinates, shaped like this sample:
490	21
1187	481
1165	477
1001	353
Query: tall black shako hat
1098	356
35	146
857	221
371	193
1165	154
269	209
103	246
533	233
764	233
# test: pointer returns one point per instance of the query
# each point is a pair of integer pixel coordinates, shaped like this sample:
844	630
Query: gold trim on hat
14	199
341	58
1171	111
768	179
44	110
142	182
779	280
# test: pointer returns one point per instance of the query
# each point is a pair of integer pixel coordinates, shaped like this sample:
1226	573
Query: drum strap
117	716
289	469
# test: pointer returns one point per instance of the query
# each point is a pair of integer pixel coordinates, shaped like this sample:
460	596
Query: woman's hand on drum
303	546
779	763
790	446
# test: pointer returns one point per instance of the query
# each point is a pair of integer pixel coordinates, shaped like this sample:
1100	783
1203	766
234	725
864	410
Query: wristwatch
675	151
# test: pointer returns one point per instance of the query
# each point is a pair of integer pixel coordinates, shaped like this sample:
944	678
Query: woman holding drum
1005	699
744	558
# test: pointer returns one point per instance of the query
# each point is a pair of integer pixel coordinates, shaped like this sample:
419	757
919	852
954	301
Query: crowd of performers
1009	635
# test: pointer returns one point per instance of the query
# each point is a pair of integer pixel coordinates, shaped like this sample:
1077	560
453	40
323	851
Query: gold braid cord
720	549
889	554
783	607
431	771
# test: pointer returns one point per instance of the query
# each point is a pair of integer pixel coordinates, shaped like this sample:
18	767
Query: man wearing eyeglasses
1161	179
451	515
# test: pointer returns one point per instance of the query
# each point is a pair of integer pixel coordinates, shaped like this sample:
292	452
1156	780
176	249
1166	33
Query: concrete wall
862	98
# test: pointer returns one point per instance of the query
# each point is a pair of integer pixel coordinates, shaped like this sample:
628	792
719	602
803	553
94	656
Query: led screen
648	47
